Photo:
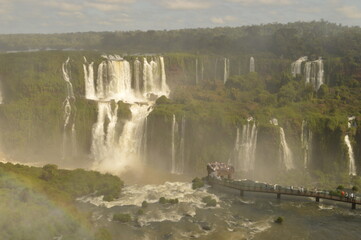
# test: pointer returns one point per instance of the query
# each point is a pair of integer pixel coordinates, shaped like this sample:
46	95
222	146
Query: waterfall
137	76
320	73
251	65
245	147
173	134
1	94
181	163
314	71
296	66
69	113
352	164
285	151
114	152
89	80
226	70
196	71
306	142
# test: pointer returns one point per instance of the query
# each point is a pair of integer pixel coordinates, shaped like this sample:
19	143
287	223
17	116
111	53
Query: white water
352	164
196	71
173	134
226	70
112	151
296	66
245	147
89	80
134	195
306	141
285	152
314	71
251	65
181	163
68	148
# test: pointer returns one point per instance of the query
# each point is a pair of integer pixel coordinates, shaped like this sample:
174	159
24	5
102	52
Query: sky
59	16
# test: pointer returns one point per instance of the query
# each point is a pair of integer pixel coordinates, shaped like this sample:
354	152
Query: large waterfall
251	65
69	131
114	151
244	158
306	141
313	71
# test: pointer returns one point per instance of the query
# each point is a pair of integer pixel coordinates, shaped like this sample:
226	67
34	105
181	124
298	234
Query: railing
243	187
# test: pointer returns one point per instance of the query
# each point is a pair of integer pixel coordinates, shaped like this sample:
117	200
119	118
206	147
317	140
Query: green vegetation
41	201
209	201
279	220
144	204
164	200
197	183
122	217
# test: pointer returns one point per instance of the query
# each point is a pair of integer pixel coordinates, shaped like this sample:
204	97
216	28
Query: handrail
234	185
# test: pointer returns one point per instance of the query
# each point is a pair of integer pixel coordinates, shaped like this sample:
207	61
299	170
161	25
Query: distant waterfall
112	151
251	65
226	70
197	71
352	164
177	146
181	163
1	94
69	114
313	71
306	141
89	80
245	147
296	66
137	76
173	134
286	153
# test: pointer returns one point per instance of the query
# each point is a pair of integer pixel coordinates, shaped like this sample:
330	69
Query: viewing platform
253	186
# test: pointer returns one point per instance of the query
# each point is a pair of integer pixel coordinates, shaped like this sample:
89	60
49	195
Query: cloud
64	6
264	2
350	12
186	5
220	20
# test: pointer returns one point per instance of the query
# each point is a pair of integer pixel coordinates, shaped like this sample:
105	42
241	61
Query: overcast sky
56	16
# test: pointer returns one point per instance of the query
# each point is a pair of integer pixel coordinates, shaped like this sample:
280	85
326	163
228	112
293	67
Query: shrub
279	220
197	183
340	187
355	188
163	200
122	217
209	201
144	204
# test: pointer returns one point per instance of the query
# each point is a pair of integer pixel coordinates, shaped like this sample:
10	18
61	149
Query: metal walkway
244	187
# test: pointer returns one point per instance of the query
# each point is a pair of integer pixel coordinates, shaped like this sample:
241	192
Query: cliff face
198	124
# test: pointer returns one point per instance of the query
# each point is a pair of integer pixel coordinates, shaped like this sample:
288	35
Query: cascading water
196	71
137	76
286	153
114	84
251	65
181	163
1	95
314	71
286	157
296	66
226	70
89	80
245	147
173	134
69	113
306	141
352	165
